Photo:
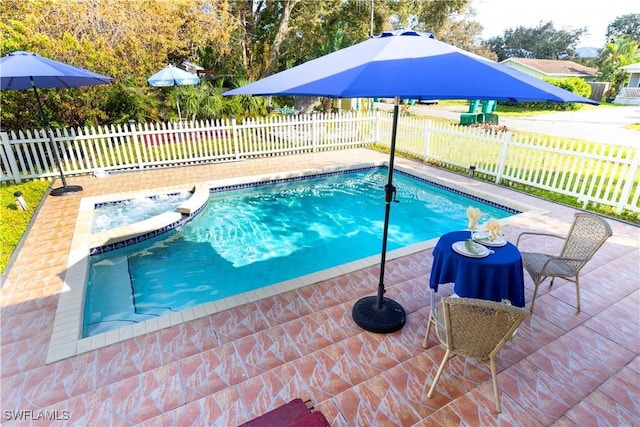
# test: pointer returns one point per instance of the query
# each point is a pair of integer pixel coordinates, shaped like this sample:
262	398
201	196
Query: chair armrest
531	233
560	258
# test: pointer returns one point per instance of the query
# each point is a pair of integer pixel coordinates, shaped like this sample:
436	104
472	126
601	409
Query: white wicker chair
587	234
474	328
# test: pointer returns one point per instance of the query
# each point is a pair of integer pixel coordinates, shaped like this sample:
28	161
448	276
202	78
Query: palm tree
620	52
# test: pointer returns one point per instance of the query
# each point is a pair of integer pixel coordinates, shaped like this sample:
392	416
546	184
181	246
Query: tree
541	42
424	15
625	25
279	34
462	31
276	35
128	40
622	51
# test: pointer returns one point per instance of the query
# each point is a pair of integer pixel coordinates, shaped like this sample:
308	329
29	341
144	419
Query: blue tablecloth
495	277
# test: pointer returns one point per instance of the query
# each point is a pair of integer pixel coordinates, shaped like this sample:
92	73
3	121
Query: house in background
193	68
552	68
560	69
630	94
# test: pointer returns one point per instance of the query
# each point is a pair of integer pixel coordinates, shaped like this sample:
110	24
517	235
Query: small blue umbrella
26	70
403	65
173	76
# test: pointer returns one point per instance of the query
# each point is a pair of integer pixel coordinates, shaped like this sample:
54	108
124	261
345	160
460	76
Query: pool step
112	283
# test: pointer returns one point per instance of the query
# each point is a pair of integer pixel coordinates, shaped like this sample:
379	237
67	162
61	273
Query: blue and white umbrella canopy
172	76
403	65
27	70
408	65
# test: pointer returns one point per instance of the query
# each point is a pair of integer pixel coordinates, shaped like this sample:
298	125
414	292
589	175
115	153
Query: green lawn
14	221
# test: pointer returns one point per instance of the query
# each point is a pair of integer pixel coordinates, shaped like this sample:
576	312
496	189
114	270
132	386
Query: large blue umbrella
403	65
173	76
408	65
25	70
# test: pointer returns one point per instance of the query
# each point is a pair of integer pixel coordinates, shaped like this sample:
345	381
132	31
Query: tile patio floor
562	368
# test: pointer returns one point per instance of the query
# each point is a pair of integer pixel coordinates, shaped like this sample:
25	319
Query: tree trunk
305	104
283	29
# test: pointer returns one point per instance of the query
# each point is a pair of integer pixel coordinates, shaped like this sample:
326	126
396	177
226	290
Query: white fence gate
591	172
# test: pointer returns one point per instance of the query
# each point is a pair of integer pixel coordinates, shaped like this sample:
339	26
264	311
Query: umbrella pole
65	189
379	314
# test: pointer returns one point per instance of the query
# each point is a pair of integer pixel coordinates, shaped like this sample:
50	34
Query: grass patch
515	111
14	221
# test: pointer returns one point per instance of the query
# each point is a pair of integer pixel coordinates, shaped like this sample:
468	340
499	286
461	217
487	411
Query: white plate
470	249
484	237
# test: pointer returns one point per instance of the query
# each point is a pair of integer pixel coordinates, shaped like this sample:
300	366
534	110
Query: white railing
29	155
591	172
629	92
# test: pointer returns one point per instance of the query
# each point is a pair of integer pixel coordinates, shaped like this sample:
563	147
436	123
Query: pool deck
226	368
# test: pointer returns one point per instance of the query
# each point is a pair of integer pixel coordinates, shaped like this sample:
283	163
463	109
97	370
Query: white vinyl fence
591	172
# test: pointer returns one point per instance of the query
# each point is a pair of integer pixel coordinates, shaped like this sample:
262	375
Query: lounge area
562	367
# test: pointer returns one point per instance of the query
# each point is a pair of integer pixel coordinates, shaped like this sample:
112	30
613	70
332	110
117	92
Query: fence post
628	185
314	132
427	137
506	139
234	132
135	140
9	157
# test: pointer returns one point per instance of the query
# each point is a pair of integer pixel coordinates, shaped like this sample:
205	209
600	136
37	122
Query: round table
495	277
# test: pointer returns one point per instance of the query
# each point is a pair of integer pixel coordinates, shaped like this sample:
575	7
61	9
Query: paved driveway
601	124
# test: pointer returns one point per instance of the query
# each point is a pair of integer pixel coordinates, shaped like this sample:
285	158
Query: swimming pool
259	235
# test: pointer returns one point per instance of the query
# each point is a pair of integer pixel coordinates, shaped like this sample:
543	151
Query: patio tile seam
622	372
535	393
589	361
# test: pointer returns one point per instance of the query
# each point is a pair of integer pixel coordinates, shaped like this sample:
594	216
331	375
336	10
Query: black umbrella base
66	190
389	318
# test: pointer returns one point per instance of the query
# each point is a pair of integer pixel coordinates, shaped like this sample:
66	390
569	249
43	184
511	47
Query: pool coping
66	338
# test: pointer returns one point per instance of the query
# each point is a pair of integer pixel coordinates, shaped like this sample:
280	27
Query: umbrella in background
26	70
403	65
173	76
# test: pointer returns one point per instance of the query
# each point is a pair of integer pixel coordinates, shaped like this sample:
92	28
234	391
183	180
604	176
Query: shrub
572	84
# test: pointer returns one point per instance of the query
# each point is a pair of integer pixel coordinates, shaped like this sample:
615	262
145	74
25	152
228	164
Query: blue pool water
251	238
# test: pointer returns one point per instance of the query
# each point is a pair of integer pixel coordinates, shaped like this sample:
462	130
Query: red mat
292	414
312	419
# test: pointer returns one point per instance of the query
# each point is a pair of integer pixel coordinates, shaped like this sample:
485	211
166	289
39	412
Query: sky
496	16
